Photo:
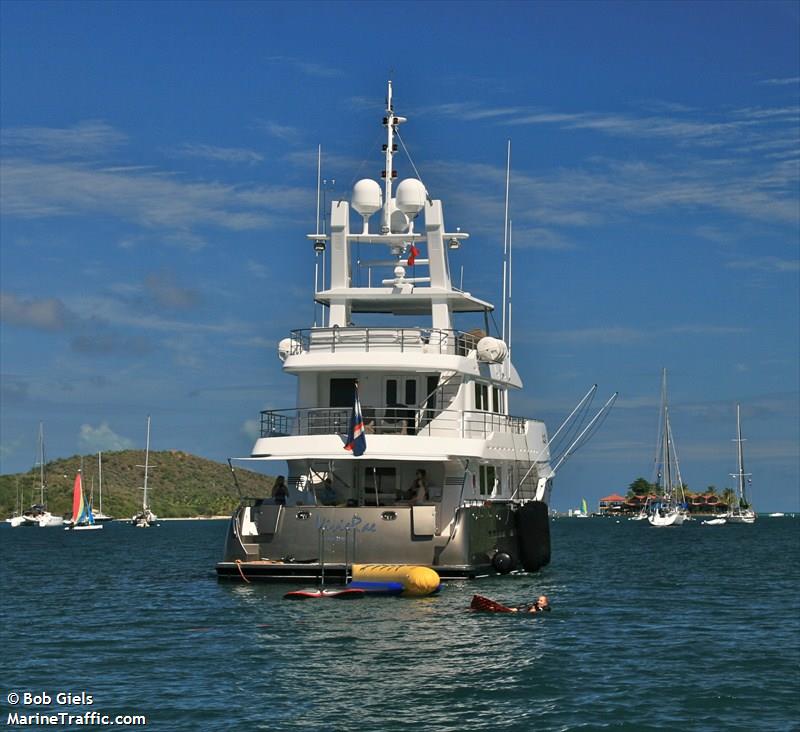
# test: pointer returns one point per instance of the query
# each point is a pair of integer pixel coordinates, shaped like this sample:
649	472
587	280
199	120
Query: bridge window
487	479
481	396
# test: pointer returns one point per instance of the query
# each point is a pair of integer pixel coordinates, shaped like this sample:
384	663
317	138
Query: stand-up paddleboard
479	602
378	588
346	594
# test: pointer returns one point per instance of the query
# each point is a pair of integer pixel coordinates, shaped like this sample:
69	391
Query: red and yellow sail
78	502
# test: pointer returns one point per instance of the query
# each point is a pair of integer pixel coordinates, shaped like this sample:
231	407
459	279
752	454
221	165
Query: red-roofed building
611	504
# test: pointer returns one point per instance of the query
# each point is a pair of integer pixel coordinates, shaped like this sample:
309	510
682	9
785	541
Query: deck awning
367	456
418	302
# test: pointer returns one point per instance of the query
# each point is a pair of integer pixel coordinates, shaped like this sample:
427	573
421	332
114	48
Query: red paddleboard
347	594
479	602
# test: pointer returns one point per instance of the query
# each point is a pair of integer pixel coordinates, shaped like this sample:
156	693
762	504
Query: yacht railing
389	421
424	340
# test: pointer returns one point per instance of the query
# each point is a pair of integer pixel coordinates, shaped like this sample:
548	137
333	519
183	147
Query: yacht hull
273	543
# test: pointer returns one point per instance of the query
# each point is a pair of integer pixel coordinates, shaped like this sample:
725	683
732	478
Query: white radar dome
410	196
367	197
492	350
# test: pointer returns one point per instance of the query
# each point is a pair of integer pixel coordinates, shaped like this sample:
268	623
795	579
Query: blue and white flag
356	437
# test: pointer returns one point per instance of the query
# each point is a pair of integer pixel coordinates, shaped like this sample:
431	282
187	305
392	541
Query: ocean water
693	628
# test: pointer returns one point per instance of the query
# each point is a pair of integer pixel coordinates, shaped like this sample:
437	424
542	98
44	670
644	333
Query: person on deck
279	491
419	489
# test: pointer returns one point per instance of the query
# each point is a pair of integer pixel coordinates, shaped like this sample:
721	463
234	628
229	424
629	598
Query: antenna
319	244
505	239
508	341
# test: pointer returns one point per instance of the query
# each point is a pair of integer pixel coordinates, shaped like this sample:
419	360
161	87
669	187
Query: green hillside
179	485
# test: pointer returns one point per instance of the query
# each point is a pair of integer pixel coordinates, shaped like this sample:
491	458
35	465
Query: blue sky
158	180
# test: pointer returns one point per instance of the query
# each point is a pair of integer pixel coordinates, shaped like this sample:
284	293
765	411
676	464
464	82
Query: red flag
414	254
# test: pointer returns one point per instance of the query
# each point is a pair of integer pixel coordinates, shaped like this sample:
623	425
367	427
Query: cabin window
391	391
481	397
487	479
401	391
497	400
380	481
342	392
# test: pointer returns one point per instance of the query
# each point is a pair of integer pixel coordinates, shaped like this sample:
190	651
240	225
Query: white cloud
306	67
222	154
86	139
35	189
102	438
251	428
766	264
39	313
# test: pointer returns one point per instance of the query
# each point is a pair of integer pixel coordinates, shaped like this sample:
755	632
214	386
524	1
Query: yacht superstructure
434	403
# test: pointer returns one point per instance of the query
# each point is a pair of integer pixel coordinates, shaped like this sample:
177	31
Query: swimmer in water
541	605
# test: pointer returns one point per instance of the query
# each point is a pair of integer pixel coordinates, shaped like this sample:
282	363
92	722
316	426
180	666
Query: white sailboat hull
84	527
671	518
15	521
741	518
44	521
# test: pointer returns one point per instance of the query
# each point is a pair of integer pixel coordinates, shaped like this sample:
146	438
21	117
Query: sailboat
100	517
17	519
82	517
145	518
584	513
668	509
740	511
38	515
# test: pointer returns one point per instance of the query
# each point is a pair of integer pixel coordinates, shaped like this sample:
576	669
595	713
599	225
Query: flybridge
399	211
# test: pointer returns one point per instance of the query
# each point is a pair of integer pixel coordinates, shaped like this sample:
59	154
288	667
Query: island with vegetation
179	485
640	491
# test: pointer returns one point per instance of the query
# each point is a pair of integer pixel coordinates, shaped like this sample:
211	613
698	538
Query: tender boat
402	447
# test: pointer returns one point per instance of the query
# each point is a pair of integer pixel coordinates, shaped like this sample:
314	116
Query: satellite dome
367	197
410	196
288	346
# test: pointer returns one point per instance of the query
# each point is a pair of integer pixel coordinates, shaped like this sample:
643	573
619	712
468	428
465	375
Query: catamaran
82	517
38	515
669	508
434	469
145	518
740	511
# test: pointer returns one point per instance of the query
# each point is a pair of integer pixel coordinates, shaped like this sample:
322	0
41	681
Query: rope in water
239	567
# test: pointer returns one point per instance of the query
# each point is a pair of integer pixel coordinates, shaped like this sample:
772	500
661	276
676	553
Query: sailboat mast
740	450
41	464
100	477
666	468
146	465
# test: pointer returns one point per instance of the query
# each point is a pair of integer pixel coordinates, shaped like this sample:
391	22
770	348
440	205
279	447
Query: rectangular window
342	392
487	479
380	480
481	397
496	400
411	392
391	392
